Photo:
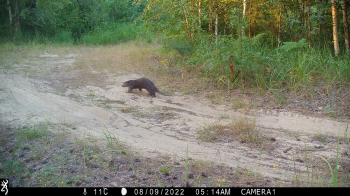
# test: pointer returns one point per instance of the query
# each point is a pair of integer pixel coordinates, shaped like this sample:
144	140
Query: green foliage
261	40
258	64
178	43
68	21
13	167
288	46
112	34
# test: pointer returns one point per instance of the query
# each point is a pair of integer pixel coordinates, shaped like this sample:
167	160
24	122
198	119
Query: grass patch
244	177
34	132
163	115
104	105
242	129
335	171
91	94
61	90
13	167
127	109
111	140
246	130
77	98
320	137
165	170
211	133
31	133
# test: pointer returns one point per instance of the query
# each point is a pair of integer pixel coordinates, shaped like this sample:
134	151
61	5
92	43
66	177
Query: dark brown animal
143	83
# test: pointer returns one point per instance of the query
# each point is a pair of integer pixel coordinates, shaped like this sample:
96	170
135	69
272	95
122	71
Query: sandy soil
168	124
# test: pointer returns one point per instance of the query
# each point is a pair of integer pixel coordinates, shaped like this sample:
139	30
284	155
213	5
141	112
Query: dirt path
167	124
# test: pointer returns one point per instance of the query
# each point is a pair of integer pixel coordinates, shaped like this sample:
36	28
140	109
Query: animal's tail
162	93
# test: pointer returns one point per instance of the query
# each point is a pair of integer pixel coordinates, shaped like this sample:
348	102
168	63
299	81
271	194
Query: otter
143	83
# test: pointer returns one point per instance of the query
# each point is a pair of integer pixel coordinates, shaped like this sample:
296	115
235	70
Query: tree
216	20
10	17
210	25
244	15
17	24
200	14
335	28
346	25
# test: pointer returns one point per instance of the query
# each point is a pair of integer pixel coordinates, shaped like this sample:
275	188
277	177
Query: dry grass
242	129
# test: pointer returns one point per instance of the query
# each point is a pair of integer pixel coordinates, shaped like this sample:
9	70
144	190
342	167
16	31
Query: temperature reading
102	191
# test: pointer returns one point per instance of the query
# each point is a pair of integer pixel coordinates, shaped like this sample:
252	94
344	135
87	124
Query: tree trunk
192	19
210	26
17	24
335	28
309	23
244	15
186	21
256	10
80	6
302	21
216	20
279	40
200	14
250	20
346	25
10	17
319	33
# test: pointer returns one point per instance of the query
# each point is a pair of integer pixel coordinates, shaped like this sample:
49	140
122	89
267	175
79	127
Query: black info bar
170	191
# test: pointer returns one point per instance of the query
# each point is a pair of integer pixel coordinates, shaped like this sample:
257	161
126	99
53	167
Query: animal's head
127	83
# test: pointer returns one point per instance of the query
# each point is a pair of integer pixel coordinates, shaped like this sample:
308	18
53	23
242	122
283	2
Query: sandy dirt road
168	124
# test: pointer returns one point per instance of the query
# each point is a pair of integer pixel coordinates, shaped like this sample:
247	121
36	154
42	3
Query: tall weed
256	63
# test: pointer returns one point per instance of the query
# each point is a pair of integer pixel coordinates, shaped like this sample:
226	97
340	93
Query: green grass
292	67
186	166
165	169
114	33
320	137
13	166
317	178
104	105
334	172
31	133
111	140
106	34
